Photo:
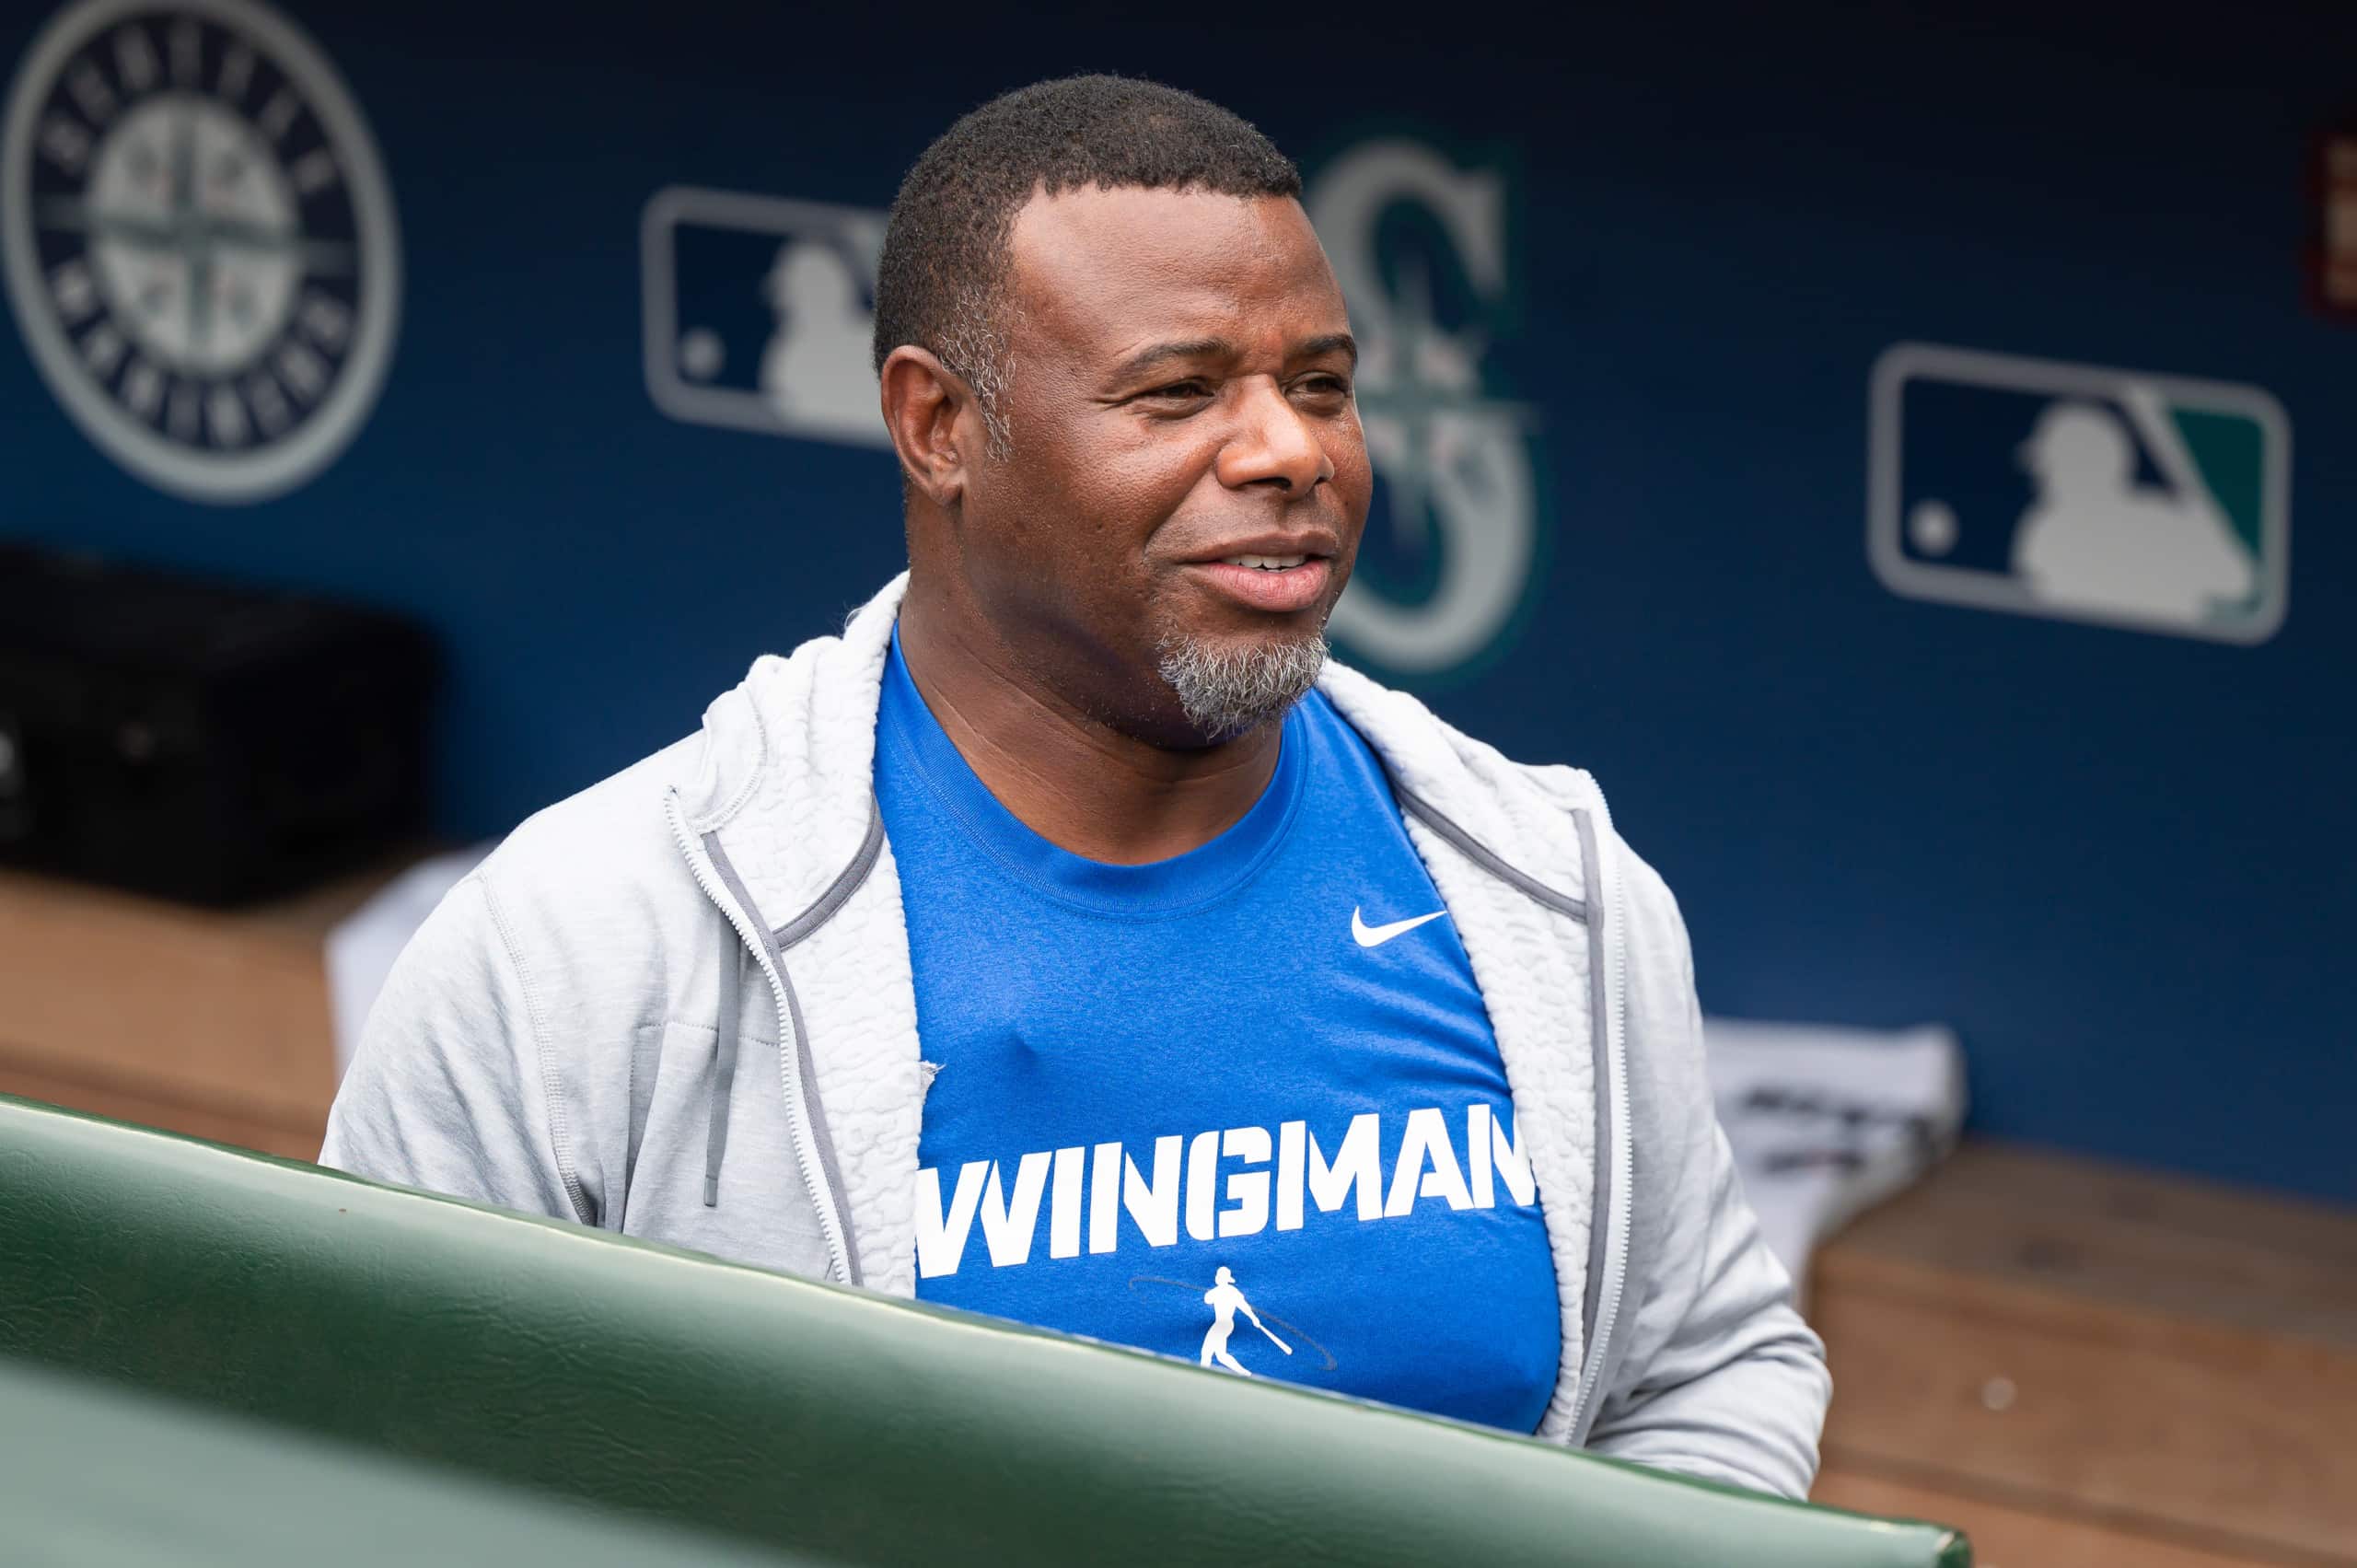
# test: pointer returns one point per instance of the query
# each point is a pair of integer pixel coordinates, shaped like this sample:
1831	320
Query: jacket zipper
1616	1246
822	1199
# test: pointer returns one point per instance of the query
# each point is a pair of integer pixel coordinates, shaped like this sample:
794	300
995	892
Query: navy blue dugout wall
2117	860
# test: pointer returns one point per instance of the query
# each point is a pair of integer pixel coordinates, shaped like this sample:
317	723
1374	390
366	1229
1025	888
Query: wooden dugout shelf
2083	1364
213	1023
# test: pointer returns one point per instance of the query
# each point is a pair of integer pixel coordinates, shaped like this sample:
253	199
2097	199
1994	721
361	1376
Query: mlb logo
758	313
2150	503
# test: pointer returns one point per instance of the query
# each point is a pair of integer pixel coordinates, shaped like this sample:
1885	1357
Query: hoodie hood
786	773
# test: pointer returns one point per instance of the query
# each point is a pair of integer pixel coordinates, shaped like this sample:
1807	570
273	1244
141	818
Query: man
1069	923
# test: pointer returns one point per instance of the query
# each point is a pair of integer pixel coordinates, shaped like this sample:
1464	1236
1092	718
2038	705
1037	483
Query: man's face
1180	395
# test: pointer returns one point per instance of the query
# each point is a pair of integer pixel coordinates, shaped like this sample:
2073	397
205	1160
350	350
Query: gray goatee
1226	690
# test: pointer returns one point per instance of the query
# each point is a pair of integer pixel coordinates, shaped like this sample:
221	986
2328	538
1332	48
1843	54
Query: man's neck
1075	781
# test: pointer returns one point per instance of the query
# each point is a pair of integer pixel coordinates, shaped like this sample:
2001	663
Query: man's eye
1326	386
1180	390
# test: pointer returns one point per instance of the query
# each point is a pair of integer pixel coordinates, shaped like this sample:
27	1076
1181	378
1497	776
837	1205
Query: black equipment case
198	741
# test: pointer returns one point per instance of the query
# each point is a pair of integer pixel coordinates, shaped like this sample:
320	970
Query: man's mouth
1277	584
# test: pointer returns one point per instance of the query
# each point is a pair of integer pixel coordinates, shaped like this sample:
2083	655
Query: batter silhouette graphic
814	371
1226	1301
2095	539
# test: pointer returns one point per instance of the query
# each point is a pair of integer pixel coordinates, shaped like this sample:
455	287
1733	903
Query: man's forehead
1106	270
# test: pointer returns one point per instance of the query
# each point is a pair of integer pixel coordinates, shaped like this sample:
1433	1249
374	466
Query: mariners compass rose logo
200	248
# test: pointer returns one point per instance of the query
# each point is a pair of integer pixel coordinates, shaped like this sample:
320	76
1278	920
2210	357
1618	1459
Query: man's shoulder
1442	764
603	847
1463	775
785	750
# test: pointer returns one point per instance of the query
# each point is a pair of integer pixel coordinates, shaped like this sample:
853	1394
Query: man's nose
1275	444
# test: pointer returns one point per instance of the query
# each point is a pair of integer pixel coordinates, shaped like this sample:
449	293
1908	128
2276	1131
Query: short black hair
946	247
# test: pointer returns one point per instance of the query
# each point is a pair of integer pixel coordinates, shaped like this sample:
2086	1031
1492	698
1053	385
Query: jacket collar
786	775
787	771
1519	815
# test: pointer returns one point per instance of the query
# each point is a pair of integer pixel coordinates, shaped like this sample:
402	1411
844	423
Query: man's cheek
1353	463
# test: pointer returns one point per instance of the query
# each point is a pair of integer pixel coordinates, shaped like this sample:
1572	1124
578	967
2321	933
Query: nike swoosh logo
1377	935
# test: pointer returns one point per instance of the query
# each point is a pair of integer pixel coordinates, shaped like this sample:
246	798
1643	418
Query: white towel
1825	1121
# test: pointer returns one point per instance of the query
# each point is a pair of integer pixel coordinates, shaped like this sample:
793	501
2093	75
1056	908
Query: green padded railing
827	1423
99	1475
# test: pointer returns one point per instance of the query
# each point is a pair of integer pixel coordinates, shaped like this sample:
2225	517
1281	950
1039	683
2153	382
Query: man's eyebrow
1157	354
1332	343
1154	354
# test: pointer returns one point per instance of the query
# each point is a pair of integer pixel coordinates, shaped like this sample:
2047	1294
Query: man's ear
923	400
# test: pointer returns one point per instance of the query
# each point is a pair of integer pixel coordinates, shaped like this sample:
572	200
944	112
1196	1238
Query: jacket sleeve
1717	1376
445	1089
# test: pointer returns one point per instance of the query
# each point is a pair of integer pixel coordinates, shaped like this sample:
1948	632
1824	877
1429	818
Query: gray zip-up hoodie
677	1005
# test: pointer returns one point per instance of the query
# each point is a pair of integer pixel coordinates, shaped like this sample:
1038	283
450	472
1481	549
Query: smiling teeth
1265	563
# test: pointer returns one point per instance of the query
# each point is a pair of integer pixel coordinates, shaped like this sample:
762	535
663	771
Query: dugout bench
324	1337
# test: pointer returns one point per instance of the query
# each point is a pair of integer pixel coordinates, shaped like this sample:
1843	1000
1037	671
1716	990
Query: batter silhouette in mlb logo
2098	540
814	370
2150	503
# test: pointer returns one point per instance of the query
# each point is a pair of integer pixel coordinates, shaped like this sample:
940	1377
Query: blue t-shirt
1242	1105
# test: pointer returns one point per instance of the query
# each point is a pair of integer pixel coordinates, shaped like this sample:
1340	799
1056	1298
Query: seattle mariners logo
200	242
1458	493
